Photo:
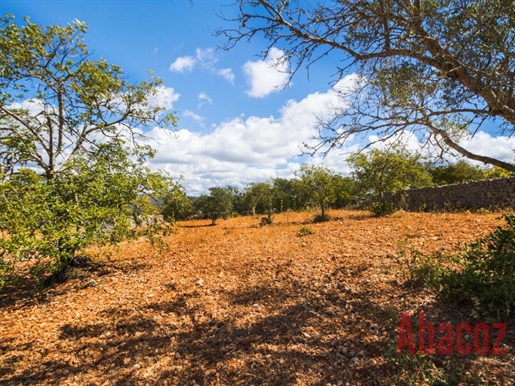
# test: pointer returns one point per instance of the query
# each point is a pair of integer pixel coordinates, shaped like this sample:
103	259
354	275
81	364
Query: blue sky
236	124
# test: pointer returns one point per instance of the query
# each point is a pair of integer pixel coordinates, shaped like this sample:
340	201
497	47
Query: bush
485	271
418	270
482	275
265	221
382	208
304	231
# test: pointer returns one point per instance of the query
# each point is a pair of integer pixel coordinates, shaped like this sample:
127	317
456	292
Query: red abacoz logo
463	336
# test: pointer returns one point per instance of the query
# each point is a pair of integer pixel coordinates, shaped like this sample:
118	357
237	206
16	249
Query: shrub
486	271
482	275
265	221
304	231
382	208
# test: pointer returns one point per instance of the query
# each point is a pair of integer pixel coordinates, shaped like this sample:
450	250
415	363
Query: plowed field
239	304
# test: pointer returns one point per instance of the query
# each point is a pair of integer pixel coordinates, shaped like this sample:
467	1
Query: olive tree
439	69
381	172
260	195
72	147
218	204
316	185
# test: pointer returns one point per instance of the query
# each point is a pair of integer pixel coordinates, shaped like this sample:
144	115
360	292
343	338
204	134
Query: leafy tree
238	200
462	171
379	172
176	205
286	195
260	195
316	184
344	189
497	172
435	67
217	205
73	163
456	173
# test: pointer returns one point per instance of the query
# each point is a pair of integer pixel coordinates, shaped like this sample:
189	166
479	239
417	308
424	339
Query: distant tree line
374	175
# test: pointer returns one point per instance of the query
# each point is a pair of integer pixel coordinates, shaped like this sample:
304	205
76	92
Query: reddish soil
239	304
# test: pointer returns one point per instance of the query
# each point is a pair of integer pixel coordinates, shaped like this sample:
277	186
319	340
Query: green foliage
259	197
55	101
482	275
176	204
414	369
217	205
304	231
316	186
345	189
496	172
456	173
418	269
73	168
286	195
436	69
382	207
98	199
484	272
381	172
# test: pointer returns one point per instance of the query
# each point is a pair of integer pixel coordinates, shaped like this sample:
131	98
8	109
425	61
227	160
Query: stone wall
489	194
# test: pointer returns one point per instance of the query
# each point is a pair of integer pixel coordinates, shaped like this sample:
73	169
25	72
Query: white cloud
268	75
482	143
182	64
197	118
164	97
227	74
249	149
244	150
205	57
204	97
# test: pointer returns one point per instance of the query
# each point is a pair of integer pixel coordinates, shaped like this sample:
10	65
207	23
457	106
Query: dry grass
239	304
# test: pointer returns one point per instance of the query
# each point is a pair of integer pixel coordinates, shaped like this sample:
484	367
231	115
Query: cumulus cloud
205	58
182	64
227	74
164	97
197	118
482	143
243	150
268	75
249	149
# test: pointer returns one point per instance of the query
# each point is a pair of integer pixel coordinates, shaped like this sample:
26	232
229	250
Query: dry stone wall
489	194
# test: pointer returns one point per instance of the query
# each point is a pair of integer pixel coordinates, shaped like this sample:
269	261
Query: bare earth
237	304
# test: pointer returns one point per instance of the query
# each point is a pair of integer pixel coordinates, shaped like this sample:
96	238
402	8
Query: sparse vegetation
232	304
481	275
246	304
305	230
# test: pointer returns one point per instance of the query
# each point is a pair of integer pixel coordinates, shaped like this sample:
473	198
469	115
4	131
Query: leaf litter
239	304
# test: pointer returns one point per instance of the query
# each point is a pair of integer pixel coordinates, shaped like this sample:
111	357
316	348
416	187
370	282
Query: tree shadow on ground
279	333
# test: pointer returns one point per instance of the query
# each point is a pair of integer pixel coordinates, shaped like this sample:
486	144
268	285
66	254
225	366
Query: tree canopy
55	102
439	69
218	204
387	171
73	156
316	184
